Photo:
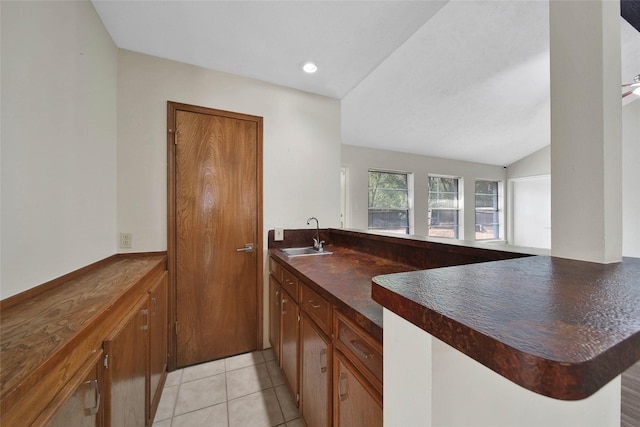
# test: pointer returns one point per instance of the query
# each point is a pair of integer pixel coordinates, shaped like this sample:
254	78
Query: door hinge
105	361
176	132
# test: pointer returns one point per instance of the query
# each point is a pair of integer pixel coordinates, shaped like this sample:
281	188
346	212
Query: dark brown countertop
344	279
559	327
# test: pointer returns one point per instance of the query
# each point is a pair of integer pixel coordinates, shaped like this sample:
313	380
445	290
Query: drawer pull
313	304
93	384
358	346
145	313
323	360
341	380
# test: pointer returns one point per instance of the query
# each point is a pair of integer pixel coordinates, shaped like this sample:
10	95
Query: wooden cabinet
356	403
284	323
158	327
289	342
274	315
79	403
332	366
125	361
315	374
357	376
86	349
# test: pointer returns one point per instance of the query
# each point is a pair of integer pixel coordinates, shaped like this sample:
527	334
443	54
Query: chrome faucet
317	243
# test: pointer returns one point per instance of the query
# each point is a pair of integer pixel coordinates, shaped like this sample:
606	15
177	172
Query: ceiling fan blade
631	85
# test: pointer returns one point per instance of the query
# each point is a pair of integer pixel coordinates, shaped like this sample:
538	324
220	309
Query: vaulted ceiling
466	80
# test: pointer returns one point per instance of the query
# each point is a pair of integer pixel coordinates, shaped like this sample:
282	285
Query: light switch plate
279	234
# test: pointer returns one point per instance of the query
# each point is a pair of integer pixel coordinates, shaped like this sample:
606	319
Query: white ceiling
466	80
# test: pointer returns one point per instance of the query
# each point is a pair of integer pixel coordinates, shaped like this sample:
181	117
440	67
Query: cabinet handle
323	360
358	346
343	379
145	313
154	300
283	311
93	384
313	304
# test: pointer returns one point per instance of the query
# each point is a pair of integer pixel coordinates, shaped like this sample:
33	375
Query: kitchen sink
306	251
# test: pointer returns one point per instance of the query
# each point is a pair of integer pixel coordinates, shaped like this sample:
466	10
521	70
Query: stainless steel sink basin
306	251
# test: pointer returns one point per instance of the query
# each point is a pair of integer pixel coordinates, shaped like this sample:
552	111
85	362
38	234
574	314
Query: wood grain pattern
69	408
289	329
172	110
47	338
47	286
315	374
630	403
125	376
216	205
158	327
355	402
364	352
274	315
558	327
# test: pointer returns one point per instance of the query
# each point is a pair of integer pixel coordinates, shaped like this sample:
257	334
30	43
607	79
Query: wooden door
126	370
79	402
356	403
274	316
157	344
289	338
315	374
217	234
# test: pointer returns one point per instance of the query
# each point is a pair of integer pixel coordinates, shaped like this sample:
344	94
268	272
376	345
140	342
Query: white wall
539	163
58	141
631	179
359	160
301	146
432	384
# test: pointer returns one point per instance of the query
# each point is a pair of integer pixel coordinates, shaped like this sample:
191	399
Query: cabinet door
126	367
80	401
158	324
274	316
289	338
356	403
315	374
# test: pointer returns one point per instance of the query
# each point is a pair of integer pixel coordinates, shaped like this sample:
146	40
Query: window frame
458	226
409	197
497	209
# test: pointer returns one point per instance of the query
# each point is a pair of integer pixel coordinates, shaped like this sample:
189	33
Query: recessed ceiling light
310	67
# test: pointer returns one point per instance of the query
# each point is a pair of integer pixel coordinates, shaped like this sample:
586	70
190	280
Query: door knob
248	247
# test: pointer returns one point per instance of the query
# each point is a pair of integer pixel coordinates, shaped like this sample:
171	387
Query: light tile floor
244	390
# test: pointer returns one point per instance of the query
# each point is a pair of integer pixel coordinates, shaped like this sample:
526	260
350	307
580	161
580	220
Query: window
487	210
389	201
444	207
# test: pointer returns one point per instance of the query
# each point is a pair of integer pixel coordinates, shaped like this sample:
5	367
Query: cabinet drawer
275	269
316	307
359	345
290	283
